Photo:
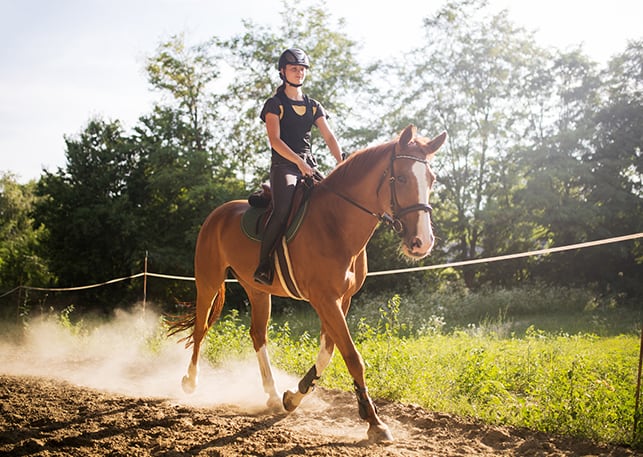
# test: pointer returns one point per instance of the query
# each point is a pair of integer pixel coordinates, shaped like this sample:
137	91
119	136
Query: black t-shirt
296	119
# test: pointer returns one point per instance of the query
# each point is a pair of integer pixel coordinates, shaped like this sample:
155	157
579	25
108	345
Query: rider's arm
329	138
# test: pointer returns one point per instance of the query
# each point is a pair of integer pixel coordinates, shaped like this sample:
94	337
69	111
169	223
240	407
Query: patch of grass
229	339
506	311
580	385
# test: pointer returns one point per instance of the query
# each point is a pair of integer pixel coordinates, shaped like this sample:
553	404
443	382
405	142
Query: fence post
638	390
145	282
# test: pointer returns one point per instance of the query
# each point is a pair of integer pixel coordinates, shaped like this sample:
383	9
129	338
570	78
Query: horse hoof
189	386
291	400
379	434
275	404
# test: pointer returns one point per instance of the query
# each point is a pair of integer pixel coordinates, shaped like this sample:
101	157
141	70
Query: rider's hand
305	169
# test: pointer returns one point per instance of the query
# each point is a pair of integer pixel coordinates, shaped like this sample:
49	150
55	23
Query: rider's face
295	73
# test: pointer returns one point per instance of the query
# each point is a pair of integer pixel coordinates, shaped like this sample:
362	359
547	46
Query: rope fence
462	263
538	252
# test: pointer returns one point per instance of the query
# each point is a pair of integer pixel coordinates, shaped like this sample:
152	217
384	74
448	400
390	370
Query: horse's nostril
417	243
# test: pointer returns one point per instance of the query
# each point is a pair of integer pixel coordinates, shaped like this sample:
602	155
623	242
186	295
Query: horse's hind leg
260	315
208	308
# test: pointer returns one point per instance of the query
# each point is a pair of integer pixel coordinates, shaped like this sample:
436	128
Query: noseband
392	220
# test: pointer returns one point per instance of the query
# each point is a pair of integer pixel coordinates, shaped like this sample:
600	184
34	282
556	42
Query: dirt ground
101	391
41	416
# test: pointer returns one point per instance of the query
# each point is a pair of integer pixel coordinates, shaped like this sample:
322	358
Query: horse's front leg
335	322
292	399
260	315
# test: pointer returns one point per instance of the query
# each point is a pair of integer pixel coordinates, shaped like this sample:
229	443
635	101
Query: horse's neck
354	201
363	180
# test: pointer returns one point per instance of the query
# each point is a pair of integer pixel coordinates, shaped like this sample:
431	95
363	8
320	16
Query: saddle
262	197
256	217
254	221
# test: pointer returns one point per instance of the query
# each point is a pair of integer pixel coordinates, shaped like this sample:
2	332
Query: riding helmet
293	56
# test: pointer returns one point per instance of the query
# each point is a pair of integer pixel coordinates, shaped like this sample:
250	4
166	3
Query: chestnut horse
387	183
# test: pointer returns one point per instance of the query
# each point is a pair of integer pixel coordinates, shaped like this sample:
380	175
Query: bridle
392	220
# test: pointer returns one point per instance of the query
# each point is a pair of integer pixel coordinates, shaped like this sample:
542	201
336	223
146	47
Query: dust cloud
129	355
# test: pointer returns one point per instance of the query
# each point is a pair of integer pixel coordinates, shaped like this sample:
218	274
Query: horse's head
410	181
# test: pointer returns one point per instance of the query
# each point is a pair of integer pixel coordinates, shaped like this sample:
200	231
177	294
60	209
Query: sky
63	62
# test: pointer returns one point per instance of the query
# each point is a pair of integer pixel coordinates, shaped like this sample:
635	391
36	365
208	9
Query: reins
382	218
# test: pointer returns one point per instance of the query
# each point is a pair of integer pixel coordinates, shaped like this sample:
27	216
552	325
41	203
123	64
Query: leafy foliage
87	208
21	261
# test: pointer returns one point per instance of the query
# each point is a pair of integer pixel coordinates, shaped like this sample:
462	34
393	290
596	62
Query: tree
185	73
182	175
615	158
555	195
175	188
615	161
471	79
87	211
20	240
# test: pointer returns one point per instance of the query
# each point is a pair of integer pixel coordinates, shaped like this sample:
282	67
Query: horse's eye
401	179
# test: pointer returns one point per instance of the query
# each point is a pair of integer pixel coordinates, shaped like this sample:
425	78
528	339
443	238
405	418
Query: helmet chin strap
283	78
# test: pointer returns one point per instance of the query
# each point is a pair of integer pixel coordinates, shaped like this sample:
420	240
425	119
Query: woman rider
289	116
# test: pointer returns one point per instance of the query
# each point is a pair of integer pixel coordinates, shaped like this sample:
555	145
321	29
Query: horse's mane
357	164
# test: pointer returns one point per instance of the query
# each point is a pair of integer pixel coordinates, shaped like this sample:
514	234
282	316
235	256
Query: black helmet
293	56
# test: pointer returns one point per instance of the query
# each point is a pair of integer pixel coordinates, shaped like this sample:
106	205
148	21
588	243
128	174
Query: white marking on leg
292	398
266	371
191	379
193	372
274	402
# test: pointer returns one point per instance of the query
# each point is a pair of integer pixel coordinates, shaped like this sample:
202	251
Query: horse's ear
436	143
407	135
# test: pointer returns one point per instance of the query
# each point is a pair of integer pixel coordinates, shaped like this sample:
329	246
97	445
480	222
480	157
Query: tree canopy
544	150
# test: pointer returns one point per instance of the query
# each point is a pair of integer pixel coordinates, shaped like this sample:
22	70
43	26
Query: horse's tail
183	322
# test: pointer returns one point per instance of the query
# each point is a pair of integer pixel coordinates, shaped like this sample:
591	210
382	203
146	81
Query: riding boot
265	271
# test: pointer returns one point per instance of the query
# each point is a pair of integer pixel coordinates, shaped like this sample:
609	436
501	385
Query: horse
389	183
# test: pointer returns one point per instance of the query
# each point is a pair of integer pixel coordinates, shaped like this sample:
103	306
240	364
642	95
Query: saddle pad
252	222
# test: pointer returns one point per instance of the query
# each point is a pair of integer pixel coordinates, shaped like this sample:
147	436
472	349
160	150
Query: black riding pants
283	181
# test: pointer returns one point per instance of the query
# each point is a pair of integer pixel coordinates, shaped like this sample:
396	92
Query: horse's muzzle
418	247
